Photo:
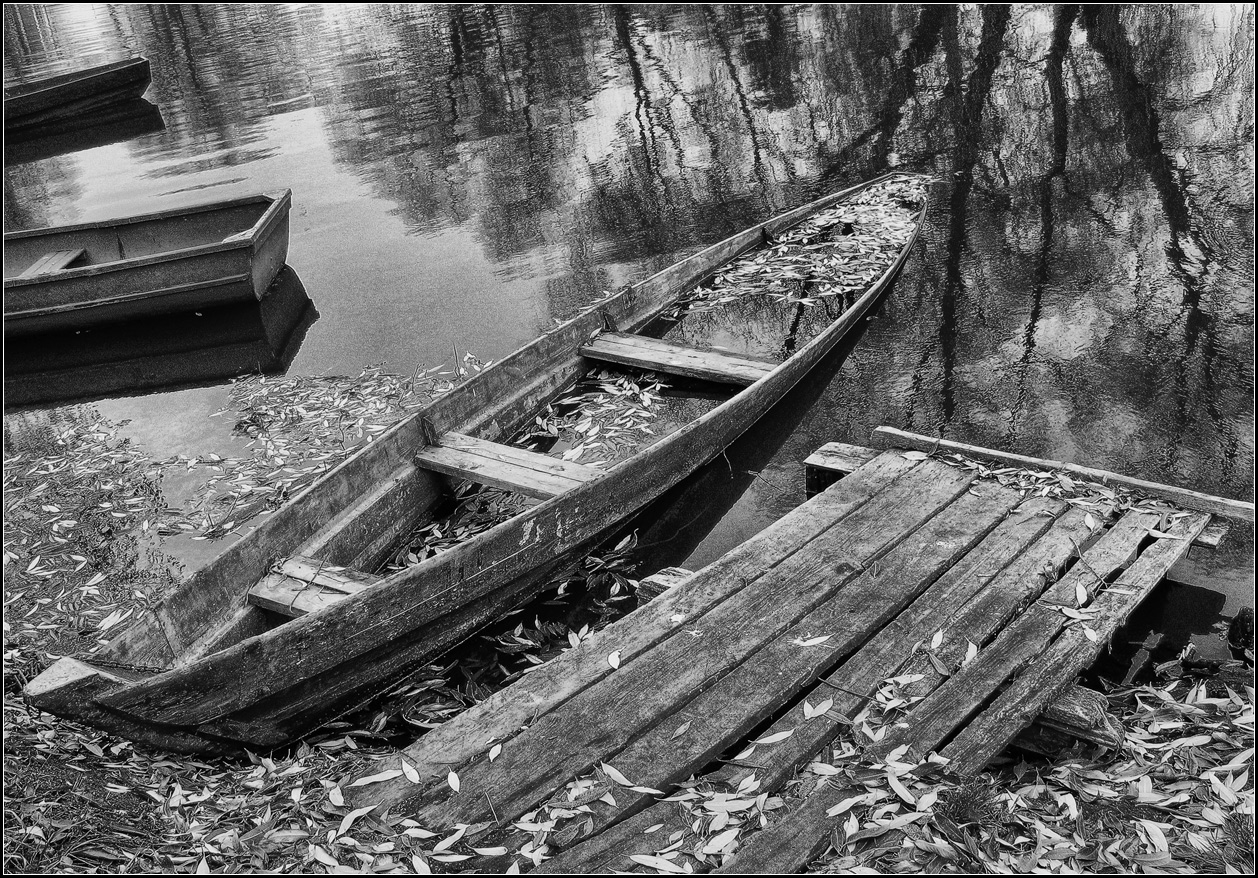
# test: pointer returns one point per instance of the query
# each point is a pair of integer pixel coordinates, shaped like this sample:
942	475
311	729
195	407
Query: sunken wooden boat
287	627
161	354
57	99
184	259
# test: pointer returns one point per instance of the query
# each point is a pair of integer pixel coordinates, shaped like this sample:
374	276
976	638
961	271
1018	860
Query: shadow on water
173	352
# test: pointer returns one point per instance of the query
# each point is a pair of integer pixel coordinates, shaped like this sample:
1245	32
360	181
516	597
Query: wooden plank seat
302	585
503	466
54	261
676	359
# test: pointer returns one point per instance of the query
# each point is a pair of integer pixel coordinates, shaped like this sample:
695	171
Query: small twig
492	810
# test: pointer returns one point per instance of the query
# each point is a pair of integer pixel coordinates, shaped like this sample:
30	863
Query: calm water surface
464	176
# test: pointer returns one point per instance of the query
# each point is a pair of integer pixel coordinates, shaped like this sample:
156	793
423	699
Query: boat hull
60	99
238	267
234	681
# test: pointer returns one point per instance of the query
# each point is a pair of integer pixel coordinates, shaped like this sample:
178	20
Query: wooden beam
888	437
676	359
51	262
1078	714
655	585
831	462
303	585
503	466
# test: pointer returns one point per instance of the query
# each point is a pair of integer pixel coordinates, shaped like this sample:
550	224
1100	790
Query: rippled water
463	176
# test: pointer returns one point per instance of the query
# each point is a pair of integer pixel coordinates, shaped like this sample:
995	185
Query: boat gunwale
249	238
122	697
26	90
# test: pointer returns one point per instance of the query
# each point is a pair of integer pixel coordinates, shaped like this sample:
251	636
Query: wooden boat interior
117	240
329	542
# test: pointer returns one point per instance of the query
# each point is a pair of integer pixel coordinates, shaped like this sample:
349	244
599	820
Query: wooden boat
172	352
56	99
73	277
266	641
124	121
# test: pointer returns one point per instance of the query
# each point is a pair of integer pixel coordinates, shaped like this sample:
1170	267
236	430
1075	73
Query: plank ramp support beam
671	358
834	460
302	585
888	437
504	466
55	261
656	584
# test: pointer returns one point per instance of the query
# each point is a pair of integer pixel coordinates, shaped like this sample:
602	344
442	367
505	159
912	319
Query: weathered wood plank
319	572
503	466
51	262
599	721
501	715
1212	536
304	585
1077	714
1022	640
888	437
791	843
676	359
723	715
1069	654
1009	554
656	584
831	462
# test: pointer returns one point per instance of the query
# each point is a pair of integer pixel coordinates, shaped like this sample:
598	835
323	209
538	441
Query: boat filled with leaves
376	566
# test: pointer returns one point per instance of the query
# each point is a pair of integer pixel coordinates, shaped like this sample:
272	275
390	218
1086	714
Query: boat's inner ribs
671	358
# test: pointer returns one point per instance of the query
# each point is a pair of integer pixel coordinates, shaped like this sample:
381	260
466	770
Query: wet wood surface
907	568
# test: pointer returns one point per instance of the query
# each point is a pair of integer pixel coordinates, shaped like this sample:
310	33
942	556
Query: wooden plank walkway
986	602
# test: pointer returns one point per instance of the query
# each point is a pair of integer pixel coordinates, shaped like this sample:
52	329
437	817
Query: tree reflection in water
1084	290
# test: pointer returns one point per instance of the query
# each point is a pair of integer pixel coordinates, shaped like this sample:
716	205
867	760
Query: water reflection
1084	290
176	351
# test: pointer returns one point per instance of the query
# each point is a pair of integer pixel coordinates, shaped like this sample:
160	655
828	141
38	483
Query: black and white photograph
597	438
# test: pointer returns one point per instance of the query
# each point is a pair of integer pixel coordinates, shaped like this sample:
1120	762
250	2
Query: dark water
463	176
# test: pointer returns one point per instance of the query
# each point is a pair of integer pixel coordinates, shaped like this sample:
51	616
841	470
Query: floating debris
834	254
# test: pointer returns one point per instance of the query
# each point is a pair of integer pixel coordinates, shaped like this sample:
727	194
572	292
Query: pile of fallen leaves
607	417
1178	797
834	254
75	500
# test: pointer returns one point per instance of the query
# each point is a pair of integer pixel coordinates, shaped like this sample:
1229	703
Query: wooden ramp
655	733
